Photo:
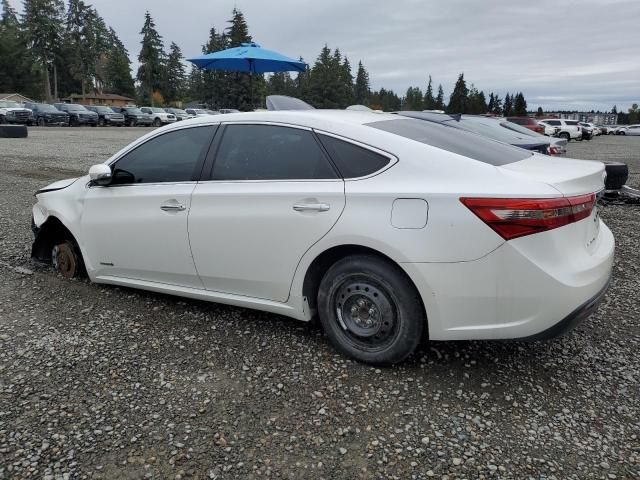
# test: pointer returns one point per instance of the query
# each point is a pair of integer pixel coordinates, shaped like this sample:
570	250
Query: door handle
173	208
311	207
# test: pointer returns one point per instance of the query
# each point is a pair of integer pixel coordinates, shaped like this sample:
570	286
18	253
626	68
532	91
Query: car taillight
551	150
516	217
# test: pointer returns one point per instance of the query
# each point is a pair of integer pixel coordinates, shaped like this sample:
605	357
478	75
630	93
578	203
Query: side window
171	157
553	122
269	152
353	161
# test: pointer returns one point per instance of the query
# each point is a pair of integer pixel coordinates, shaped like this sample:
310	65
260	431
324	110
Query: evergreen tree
117	73
497	105
43	20
614	110
347	87
385	100
459	100
539	113
362	88
176	75
243	89
214	84
326	81
429	102
520	105
413	99
440	99
491	104
508	105
281	83
477	103
303	84
151	58
195	84
18	70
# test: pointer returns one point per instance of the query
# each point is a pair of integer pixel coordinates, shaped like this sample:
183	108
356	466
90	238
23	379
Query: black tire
13	131
157	122
41	122
73	122
565	135
617	175
370	310
132	123
101	122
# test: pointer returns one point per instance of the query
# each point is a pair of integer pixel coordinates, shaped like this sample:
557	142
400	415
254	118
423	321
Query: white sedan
385	227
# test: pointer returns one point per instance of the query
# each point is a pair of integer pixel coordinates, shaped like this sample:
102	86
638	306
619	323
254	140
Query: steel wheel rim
366	313
63	260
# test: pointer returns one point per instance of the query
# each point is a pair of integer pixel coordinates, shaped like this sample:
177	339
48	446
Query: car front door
272	193
136	227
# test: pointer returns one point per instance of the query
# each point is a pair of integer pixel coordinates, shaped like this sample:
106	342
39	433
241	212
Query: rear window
571	122
353	161
453	140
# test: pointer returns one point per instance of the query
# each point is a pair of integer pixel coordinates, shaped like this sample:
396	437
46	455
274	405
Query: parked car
158	115
134	117
106	115
549	130
527	122
213	112
45	114
179	113
228	110
568	129
13	112
604	129
632	130
78	114
386	227
197	112
590	127
587	133
490	127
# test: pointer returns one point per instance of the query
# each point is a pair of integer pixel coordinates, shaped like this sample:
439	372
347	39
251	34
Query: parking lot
106	382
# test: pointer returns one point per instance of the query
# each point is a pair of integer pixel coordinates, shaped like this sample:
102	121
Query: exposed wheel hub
64	260
364	311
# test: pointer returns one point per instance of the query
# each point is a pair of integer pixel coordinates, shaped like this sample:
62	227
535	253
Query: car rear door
271	194
136	228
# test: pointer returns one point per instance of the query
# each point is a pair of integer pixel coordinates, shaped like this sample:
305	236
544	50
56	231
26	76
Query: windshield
76	108
456	141
104	110
9	104
43	107
157	110
199	110
177	111
135	111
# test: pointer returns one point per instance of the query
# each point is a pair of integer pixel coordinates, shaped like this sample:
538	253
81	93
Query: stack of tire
13	131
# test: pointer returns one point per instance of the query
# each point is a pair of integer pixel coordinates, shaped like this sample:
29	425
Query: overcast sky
569	54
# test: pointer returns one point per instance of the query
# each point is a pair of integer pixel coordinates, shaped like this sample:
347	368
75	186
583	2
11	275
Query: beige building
15	97
108	99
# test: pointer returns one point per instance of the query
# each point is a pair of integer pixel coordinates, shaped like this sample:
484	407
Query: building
108	99
597	118
15	97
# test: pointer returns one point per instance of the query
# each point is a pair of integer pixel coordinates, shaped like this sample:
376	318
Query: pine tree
477	103
347	93
491	104
195	84
540	113
117	73
326	80
151	59
176	75
614	110
429	102
362	88
214	84
243	89
413	99
17	64
459	100
42	21
497	105
508	105
440	99
520	105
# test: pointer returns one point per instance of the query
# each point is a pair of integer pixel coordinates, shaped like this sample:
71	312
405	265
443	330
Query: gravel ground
104	382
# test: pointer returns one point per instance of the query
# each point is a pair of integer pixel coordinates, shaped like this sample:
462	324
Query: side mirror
100	174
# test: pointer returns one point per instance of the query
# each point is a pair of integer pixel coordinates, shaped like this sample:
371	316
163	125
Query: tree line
53	50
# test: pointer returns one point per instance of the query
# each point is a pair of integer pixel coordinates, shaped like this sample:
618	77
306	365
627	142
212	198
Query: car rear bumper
515	292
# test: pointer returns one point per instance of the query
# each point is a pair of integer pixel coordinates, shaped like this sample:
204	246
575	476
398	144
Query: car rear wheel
565	135
157	122
41	122
370	310
101	122
65	259
132	123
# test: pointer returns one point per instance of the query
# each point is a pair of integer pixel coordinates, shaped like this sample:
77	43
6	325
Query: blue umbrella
250	58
